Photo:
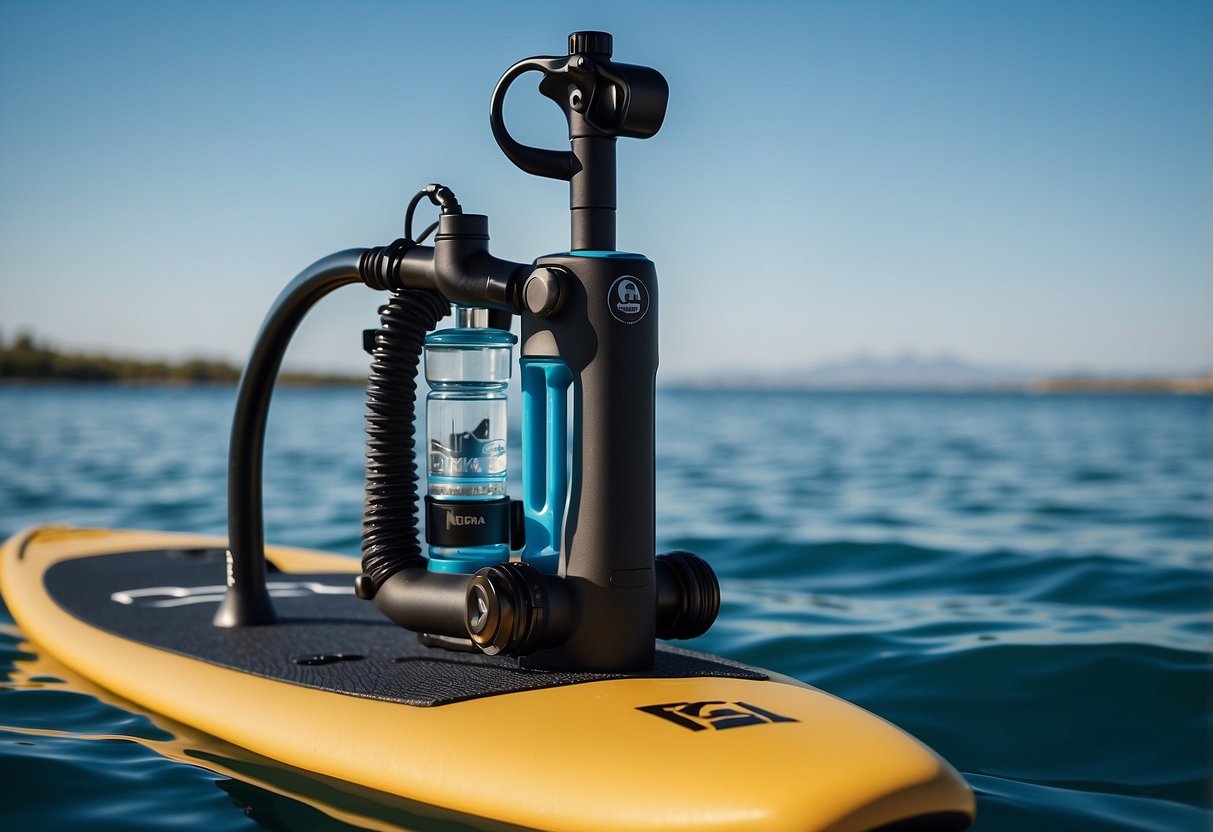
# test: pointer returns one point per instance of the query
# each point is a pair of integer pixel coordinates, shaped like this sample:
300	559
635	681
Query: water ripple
1022	582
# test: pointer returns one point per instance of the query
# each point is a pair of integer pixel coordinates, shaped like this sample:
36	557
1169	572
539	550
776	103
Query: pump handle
600	99
553	164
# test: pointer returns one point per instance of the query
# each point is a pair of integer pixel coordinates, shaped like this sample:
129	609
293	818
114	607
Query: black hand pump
591	311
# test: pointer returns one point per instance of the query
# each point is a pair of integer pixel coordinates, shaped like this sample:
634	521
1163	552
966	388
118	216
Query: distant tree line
1195	385
24	358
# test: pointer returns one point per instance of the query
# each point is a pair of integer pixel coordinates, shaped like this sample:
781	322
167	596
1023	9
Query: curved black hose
247	602
390	541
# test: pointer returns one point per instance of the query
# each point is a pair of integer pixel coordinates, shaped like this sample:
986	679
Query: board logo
628	299
717	715
182	596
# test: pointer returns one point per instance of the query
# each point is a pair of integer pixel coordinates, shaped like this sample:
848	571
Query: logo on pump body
453	519
628	299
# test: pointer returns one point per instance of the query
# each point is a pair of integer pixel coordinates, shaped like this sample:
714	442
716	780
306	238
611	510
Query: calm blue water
1022	582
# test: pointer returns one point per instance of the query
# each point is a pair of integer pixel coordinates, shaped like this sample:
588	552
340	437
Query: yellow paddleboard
696	743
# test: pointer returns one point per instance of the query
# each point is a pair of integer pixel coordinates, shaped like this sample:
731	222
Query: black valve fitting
688	595
444	198
466	273
514	609
458	266
383	267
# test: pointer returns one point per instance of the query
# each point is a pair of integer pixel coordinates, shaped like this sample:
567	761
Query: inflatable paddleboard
696	742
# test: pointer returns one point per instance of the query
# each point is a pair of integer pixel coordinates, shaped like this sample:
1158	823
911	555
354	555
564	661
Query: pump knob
591	43
544	291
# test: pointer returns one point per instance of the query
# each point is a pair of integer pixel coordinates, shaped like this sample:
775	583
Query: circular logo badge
628	299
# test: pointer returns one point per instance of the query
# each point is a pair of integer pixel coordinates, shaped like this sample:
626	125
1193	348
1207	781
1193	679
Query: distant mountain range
909	371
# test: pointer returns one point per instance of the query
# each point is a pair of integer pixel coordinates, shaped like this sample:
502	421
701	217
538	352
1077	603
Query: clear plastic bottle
468	369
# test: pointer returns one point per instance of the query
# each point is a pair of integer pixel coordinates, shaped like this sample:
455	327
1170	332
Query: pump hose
390	541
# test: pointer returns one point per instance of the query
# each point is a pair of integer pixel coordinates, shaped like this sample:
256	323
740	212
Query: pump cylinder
605	332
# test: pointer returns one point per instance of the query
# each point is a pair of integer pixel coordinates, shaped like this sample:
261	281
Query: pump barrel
606	333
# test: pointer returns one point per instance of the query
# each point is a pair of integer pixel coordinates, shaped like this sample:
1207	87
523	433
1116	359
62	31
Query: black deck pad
327	639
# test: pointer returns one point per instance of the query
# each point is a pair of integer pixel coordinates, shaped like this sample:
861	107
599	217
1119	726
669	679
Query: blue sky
1019	183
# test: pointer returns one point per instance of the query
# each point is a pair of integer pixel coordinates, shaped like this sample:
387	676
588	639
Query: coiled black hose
390	542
